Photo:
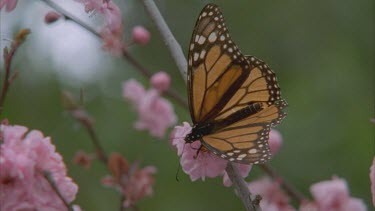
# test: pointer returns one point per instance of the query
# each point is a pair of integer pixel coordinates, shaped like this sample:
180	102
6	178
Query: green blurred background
322	52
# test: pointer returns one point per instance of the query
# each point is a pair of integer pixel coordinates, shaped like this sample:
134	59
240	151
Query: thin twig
291	190
8	58
79	113
179	58
98	147
172	44
52	182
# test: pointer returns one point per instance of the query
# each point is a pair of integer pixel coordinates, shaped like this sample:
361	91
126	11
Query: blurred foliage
322	52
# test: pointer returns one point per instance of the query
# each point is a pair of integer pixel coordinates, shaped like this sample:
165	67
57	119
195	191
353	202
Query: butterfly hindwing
246	141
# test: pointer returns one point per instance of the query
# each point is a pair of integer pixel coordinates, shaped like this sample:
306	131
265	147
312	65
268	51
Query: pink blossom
24	157
133	182
154	113
275	141
372	180
333	195
133	91
76	208
273	197
161	81
112	31
244	171
9	5
83	159
178	135
201	165
206	164
51	17
140	35
92	5
308	206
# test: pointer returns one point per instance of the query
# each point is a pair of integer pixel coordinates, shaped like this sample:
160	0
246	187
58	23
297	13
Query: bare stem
98	147
172	44
291	190
52	182
8	58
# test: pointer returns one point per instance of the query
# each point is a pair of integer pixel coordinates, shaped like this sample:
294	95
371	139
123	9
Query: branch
249	202
8	58
145	72
173	46
52	182
86	121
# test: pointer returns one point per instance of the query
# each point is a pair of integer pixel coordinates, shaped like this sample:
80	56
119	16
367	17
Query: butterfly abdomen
243	113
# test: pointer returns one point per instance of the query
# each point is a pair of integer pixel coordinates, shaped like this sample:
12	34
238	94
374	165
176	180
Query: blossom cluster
25	157
155	113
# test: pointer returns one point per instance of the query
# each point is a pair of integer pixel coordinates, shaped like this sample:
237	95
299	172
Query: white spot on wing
212	37
203	53
201	40
192	46
253	151
242	155
196	56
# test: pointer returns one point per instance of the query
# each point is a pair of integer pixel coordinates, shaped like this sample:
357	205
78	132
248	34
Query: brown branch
52	182
8	58
290	190
250	201
95	140
86	121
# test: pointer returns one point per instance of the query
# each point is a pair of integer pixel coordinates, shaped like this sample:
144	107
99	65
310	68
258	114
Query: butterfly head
198	131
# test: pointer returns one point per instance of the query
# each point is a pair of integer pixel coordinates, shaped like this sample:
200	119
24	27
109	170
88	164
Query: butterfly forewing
260	86
216	66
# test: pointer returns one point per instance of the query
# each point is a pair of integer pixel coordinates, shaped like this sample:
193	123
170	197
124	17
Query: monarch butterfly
233	99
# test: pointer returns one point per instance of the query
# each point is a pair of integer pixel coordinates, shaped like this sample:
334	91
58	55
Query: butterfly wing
246	141
216	67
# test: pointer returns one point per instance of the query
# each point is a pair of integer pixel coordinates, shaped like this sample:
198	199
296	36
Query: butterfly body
233	99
